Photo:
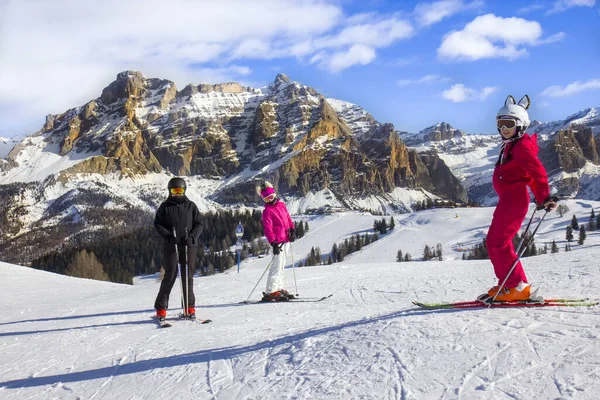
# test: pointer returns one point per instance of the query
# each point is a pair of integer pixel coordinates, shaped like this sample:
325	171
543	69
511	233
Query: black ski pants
170	266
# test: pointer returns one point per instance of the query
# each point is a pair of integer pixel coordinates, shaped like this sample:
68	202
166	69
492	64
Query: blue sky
410	63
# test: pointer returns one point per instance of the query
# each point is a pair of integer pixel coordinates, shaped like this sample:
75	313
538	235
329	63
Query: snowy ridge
79	338
354	116
426	135
589	117
6	145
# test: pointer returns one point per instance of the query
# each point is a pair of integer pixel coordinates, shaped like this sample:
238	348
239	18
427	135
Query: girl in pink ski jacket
279	231
517	168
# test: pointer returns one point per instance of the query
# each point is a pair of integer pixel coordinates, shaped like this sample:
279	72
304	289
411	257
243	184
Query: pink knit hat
266	189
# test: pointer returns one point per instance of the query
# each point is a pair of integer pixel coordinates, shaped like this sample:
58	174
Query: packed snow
69	338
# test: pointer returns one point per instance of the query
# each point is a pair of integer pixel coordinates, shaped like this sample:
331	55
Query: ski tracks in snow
523	357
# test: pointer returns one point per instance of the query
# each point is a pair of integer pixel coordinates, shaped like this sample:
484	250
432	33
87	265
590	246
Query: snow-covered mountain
68	338
6	144
569	149
589	117
117	152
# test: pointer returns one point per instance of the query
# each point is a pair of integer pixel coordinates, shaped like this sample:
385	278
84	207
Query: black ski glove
173	240
291	234
548	204
190	241
183	240
276	248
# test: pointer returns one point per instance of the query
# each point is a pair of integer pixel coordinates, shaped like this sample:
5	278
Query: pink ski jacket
276	222
520	167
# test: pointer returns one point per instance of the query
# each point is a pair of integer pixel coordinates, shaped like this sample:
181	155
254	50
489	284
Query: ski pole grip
542	207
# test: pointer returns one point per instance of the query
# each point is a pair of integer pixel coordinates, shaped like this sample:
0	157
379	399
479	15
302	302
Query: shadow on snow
202	356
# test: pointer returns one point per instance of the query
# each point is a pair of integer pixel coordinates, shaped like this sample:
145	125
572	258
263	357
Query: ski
309	299
500	304
293	300
200	321
162	324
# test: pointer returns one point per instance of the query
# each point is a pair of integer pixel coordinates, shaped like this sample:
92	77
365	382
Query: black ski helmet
176	182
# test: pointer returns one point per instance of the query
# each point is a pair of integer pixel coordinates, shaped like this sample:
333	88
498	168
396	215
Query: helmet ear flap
525	102
510	100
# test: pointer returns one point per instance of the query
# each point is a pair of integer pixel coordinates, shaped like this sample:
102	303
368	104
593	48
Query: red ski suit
517	168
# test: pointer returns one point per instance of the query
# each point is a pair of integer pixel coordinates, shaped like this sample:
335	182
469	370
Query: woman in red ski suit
279	231
517	168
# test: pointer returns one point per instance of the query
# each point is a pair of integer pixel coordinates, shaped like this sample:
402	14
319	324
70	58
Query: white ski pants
275	280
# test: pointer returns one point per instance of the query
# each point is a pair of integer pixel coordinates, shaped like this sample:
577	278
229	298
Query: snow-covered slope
68	338
6	145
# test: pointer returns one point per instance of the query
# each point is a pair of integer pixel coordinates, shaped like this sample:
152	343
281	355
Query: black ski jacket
180	215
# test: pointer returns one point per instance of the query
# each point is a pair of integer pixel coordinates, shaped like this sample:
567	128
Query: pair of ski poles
522	245
265	271
184	291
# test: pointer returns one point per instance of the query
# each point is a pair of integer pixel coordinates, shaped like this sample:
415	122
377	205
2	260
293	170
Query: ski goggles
269	198
507	123
177	190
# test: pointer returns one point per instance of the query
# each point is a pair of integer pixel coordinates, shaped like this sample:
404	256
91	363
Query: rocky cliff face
286	132
566	153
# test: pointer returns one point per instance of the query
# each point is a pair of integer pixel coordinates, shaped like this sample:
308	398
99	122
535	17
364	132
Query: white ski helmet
515	110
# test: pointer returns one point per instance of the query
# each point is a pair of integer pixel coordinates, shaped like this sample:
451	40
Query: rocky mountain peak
281	82
128	83
282	78
440	131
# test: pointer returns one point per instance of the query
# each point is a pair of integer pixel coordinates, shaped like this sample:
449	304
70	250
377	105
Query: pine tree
392	223
305	226
582	235
592	222
464	256
334	253
554	248
438	252
426	253
407	257
299	229
569	233
574	223
399	256
382	225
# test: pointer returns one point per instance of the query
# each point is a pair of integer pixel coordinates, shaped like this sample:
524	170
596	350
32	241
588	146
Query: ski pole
179	273
187	275
294	269
521	251
259	279
526	230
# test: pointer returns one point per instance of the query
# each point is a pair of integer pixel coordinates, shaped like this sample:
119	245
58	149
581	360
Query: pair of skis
293	300
507	304
166	324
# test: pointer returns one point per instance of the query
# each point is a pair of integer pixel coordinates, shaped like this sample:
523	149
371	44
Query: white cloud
571	88
433	78
489	36
459	93
61	54
531	8
356	44
556	6
375	34
428	14
563	5
356	55
403	61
